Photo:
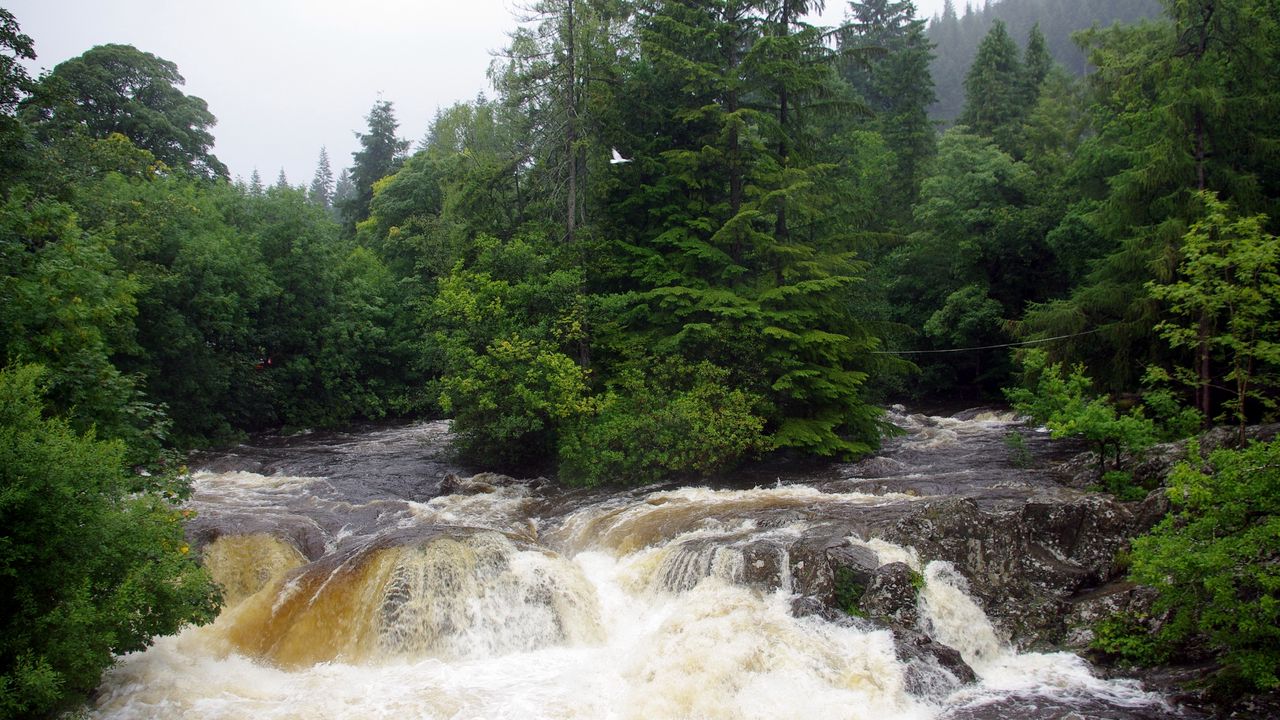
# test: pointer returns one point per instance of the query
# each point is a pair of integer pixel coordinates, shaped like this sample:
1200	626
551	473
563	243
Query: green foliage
202	284
508	402
670	422
92	561
1227	299
1065	403
1215	562
120	89
65	303
848	592
1128	635
505	322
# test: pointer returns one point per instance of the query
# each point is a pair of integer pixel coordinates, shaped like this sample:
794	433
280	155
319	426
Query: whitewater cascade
485	598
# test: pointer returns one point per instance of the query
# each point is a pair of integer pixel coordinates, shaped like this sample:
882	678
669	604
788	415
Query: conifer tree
321	191
255	183
895	83
742	268
1036	64
995	99
381	153
344	192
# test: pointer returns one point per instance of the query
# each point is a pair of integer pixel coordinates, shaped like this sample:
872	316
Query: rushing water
362	584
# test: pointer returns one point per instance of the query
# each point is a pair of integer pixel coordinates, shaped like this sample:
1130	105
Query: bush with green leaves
677	420
92	559
1215	562
509	401
1065	402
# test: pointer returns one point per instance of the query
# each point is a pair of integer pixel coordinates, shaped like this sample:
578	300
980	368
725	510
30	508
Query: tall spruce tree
1036	64
321	190
995	99
344	192
895	83
740	267
381	153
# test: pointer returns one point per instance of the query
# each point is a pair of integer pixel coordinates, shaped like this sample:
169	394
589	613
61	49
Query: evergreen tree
1179	108
344	192
741	266
321	191
895	84
559	66
255	183
995	99
282	181
380	154
1036	64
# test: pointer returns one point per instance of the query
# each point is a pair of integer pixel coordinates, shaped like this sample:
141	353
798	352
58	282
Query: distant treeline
956	34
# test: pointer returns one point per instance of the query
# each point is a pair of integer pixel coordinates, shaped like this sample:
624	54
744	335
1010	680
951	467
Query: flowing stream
361	581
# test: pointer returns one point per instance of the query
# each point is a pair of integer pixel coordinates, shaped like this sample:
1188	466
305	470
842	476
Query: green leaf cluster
93	562
669	422
1065	402
1215	562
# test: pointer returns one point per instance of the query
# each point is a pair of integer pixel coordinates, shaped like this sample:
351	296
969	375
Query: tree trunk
571	129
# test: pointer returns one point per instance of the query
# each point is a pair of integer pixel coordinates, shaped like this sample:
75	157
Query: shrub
92	560
1064	402
679	420
1215	562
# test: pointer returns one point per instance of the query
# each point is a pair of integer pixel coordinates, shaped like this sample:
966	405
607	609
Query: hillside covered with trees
674	237
957	32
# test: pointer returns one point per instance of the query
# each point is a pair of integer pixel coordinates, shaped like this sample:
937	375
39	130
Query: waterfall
493	601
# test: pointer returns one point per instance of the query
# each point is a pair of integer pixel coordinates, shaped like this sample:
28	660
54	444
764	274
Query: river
363	579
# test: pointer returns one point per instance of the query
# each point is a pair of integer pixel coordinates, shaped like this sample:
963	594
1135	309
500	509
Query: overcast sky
285	77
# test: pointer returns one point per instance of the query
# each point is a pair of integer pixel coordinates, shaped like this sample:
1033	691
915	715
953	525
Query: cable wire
984	347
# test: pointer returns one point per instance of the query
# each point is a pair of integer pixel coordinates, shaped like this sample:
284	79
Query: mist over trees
957	31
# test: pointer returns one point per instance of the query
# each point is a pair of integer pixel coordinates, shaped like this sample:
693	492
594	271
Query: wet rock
934	670
877	467
1024	565
301	533
482	483
891	595
1085	611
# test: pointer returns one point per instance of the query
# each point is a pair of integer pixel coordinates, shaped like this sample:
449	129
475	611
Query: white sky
285	77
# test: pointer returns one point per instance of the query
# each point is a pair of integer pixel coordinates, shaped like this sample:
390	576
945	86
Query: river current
364	579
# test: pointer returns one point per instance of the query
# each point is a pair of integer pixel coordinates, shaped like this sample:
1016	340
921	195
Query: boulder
891	595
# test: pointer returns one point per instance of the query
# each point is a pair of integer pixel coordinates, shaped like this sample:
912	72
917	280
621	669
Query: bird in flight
617	158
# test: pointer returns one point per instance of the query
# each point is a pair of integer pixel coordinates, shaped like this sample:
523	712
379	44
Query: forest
674	237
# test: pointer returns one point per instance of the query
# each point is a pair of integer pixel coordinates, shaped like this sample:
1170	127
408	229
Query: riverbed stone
891	595
934	670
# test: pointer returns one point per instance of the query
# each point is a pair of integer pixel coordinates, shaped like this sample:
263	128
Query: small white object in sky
617	158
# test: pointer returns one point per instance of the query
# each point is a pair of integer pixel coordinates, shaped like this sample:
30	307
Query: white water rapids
627	606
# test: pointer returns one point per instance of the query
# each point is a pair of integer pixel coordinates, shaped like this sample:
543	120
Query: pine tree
321	191
282	180
1036	64
743	267
255	183
995	100
380	154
